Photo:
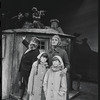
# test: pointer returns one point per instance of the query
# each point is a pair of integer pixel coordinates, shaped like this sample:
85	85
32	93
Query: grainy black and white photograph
49	49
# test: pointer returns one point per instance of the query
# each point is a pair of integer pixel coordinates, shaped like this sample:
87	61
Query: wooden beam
73	94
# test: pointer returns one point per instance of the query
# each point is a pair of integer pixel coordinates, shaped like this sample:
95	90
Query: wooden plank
14	96
73	94
7	66
44	31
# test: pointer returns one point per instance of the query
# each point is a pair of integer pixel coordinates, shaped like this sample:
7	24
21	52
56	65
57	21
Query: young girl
55	85
36	77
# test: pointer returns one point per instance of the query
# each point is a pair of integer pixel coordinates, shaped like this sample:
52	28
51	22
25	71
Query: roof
43	31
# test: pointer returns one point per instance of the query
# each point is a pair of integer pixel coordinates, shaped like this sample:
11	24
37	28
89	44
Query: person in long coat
35	82
29	56
57	50
55	85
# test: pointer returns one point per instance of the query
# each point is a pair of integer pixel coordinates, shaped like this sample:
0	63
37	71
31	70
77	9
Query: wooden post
67	78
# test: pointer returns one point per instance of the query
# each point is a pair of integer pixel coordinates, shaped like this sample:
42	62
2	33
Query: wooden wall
6	66
10	63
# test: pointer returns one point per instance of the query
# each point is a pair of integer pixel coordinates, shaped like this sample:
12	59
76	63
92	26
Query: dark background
79	16
75	16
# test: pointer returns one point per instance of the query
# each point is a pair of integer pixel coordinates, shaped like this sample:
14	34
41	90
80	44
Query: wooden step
73	94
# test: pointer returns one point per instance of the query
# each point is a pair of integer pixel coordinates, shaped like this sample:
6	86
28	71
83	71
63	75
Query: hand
47	27
32	92
60	93
24	37
63	72
20	15
29	92
68	69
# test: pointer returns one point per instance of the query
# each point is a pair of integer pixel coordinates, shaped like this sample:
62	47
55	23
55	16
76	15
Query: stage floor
88	91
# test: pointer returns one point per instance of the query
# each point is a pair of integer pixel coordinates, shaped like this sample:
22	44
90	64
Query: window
43	45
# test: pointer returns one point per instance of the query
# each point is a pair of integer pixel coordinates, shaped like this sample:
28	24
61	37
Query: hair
35	39
59	41
44	55
34	9
55	58
54	20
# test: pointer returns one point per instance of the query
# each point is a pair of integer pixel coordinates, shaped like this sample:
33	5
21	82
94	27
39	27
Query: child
36	77
55	85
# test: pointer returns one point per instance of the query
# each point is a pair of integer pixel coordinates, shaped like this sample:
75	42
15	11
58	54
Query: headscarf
39	56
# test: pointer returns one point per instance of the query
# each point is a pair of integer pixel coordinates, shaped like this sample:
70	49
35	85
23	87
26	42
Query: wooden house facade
12	50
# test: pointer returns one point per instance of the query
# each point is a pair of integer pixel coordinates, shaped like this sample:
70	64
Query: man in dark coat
29	56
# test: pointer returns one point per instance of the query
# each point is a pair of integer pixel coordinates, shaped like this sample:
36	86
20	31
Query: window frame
46	43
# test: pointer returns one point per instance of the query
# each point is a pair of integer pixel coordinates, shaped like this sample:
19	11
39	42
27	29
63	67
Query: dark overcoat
27	61
60	52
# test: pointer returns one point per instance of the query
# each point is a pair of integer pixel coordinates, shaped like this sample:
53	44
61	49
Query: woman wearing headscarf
57	50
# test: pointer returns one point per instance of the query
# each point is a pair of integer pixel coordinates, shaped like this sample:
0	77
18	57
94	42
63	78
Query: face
32	45
54	41
56	63
26	14
43	59
54	25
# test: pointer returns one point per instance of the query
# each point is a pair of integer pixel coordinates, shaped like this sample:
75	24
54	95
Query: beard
32	46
